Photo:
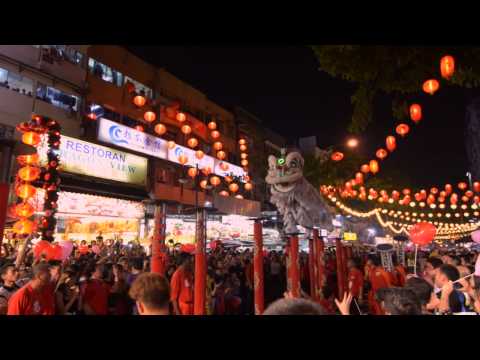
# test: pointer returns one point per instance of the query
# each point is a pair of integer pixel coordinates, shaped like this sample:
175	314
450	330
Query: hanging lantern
139	100
362	196
243	156
447	66
24	227
228	179
348	186
248	186
207	170
391	143
239	196
243	147
462	186
415	113
24	210
182	159
192	172
92	116
476	186
406	191
430	199
453	199
476	199
217	145
374	168
242	142
465	199
223	193
381	154
359	178
28	159
181	116
215	180
395	195
199	154
203	184
212	125
434	191
402	129
441	199
171	144
224	166
192	142
149	116
365	168
186	129
215	134
431	86
160	129
448	189
26	191
31	138
221	155
244	162
139	128
337	156
29	173
233	187
418	197
469	193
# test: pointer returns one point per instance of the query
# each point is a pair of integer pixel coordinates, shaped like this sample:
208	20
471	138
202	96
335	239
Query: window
140	87
16	82
105	72
61	52
58	98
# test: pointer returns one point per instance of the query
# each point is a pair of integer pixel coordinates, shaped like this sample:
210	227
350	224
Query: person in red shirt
181	286
95	293
48	292
29	300
355	283
379	279
400	272
83	248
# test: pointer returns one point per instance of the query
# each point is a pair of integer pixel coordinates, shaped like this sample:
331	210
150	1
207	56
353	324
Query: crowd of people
109	278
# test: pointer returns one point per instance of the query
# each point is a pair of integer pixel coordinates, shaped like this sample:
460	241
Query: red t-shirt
48	299
96	296
26	301
355	276
181	288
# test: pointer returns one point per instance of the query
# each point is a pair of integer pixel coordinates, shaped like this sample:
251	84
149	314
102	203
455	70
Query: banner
84	158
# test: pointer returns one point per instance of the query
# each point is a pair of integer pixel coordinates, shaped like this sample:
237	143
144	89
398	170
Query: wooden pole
258	279
311	268
159	256
319	251
294	267
200	264
340	274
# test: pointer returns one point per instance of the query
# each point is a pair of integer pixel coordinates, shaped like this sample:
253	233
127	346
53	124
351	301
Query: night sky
283	87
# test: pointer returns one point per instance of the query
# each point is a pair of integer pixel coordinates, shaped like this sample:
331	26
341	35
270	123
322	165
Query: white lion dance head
296	199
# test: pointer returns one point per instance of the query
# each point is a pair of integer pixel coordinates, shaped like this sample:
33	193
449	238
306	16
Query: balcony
30	56
16	107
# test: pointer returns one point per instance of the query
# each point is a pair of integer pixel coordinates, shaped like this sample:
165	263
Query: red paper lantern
406	191
431	86
139	128
233	187
25	191
24	210
443	193
244	162
221	155
160	129
207	170
186	129
430	199
465	199
447	66
441	199
422	233
24	227
215	134
28	159
29	173
215	180
365	168
242	142
243	156
203	184
415	113
395	195
381	154
402	129
212	125
243	147
418	197
476	186
181	117
453	199
192	142
391	143
374	168
182	159
462	186
199	154
248	186
476	199
239	196
337	156
217	145
139	100
192	172
31	138
469	193
149	116
359	178
448	189
434	191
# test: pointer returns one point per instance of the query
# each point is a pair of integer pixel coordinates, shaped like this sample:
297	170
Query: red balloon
476	186
418	196
422	233
41	248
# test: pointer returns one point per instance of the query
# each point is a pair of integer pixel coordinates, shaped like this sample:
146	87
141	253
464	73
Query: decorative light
160	129
181	117
203	184
212	125
242	142
217	145
243	148
24	227
215	134
215	180
402	129
199	154
186	129
243	156
171	144
244	162
233	187
415	113
140	128
28	159
139	100
182	159
381	154
374	168
192	172
192	142
248	186
29	173
431	86
391	143
422	204
352	143
25	191
223	193
447	66
221	155
337	156
31	138
24	210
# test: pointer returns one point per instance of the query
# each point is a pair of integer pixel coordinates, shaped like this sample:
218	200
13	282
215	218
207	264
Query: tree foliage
395	70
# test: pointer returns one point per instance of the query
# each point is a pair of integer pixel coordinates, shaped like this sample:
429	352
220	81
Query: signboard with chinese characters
84	158
126	137
348	236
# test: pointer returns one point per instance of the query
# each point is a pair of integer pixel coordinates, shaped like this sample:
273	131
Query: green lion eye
281	161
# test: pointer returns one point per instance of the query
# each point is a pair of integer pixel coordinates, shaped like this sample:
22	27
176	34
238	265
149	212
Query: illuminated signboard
349	236
126	137
84	158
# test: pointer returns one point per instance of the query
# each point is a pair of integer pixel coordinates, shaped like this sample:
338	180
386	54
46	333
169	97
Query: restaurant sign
84	158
